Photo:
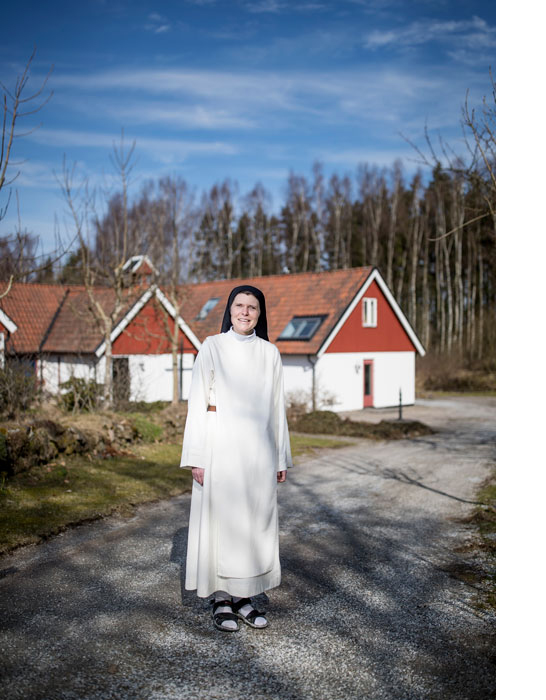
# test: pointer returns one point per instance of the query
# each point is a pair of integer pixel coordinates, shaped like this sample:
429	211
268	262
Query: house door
121	379
368	383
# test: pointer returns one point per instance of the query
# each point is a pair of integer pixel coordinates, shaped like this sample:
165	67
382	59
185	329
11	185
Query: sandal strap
224	617
253	614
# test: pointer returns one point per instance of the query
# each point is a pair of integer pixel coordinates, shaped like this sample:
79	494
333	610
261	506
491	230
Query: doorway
368	383
121	379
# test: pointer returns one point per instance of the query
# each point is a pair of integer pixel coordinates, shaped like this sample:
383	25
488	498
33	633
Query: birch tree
80	203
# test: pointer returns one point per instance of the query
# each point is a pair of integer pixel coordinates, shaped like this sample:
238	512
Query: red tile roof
32	307
75	329
56	318
303	294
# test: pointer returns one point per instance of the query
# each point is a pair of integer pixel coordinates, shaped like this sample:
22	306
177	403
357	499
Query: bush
18	388
81	395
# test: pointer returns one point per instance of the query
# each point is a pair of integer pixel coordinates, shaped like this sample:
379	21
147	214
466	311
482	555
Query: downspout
313	381
181	370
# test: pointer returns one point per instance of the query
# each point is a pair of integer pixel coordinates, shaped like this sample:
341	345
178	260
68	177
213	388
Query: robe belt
211	408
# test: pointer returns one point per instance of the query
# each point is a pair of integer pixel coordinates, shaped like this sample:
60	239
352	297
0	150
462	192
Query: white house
343	339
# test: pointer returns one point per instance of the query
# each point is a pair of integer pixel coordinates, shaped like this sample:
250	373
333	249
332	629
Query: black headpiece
261	326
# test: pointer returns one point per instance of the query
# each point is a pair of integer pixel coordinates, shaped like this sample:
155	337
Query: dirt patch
330	423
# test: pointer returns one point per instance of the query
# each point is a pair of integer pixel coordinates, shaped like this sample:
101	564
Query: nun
236	443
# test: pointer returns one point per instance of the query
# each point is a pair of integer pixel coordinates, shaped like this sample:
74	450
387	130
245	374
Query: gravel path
369	606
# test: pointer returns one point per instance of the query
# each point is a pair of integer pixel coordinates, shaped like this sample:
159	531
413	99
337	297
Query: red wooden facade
388	336
146	334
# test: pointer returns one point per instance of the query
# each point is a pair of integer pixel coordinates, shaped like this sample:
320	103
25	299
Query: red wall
389	335
146	334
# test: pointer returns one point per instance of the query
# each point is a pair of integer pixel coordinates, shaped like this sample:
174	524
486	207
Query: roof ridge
283	275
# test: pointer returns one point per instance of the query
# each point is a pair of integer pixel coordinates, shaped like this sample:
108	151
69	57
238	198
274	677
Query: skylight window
301	328
208	306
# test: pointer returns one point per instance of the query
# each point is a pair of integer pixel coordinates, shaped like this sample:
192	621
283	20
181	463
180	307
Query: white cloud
473	33
242	100
181	117
265	6
351	158
35	174
158	24
163	150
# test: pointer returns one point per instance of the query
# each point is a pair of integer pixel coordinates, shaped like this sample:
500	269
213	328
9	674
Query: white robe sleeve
283	438
194	446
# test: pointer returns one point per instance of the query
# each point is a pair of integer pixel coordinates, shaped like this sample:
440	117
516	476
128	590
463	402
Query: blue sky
247	89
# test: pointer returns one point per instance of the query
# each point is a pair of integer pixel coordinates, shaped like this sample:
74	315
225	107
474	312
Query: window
209	305
301	328
369	312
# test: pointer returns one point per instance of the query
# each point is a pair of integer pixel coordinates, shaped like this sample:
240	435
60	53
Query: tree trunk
108	372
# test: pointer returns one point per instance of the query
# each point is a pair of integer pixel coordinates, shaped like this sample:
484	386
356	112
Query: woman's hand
281	477
198	474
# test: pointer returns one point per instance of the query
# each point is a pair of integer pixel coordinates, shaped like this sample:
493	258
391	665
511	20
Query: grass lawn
47	499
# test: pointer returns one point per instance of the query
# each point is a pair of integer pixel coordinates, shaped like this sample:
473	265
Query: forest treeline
433	240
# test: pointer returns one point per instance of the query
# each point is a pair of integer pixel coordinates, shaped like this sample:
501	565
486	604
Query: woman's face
245	312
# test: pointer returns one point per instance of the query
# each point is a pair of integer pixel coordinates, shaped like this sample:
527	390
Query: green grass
47	499
305	444
147	429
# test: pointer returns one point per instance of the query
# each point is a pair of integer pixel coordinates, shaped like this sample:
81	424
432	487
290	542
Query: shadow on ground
367	608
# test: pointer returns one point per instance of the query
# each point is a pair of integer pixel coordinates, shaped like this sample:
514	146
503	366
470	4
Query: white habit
233	538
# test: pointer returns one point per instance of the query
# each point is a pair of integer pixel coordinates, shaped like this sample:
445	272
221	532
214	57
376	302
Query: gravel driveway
369	606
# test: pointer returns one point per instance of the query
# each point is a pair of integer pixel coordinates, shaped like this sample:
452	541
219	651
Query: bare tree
416	224
318	229
393	219
259	243
17	104
478	167
174	220
373	191
105	308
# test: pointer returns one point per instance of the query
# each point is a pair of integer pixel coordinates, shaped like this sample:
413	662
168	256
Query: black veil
261	326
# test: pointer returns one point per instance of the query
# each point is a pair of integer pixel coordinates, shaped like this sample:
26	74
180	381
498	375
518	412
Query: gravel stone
369	606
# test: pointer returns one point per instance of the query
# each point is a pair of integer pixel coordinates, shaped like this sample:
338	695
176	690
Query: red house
344	341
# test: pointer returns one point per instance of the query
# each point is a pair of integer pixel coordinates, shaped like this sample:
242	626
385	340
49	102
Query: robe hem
242	587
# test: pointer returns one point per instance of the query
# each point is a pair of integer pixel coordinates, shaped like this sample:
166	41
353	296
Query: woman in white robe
236	442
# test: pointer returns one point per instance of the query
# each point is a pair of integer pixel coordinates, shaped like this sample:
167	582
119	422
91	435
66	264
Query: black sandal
252	615
218	618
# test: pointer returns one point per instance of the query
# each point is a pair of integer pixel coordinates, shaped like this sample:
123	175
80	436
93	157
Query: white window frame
297	328
369	312
207	308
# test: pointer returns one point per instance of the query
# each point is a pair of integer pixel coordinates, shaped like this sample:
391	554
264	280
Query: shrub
18	388
80	394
